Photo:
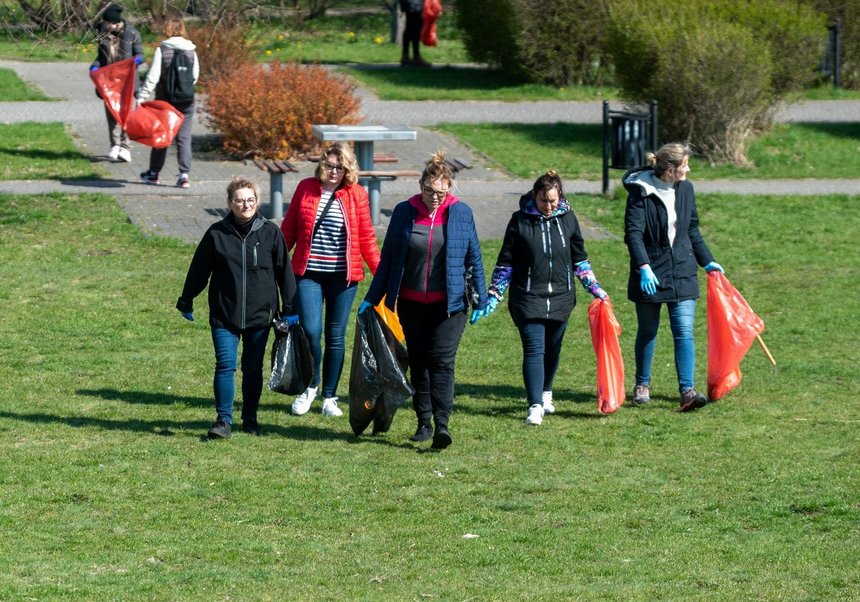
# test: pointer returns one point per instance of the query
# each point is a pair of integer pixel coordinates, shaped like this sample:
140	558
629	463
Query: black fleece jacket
245	274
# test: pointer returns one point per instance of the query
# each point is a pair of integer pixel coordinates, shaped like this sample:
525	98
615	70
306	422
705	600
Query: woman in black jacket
542	251
244	260
661	229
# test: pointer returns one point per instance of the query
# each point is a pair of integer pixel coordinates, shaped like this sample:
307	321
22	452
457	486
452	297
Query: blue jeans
338	295
541	352
681	316
226	342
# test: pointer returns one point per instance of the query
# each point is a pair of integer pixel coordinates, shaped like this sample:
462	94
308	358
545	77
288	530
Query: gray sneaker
691	400
641	395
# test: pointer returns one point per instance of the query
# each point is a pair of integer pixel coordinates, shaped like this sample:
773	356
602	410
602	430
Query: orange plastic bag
610	365
732	328
115	85
154	123
432	11
390	319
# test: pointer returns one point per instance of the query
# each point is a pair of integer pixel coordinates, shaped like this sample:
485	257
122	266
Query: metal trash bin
627	137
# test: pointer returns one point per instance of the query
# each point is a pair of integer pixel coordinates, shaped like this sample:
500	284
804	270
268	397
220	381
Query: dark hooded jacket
646	233
542	252
245	274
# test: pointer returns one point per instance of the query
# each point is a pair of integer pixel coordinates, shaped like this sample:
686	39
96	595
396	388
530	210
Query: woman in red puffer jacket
329	224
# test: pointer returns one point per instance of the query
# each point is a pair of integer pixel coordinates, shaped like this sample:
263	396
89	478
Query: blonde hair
343	151
242	182
437	168
667	156
174	27
547	182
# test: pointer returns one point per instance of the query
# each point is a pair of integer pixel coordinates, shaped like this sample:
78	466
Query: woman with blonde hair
661	229
329	224
176	45
541	253
430	244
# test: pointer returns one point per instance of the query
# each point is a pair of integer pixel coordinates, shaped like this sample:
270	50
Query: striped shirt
328	246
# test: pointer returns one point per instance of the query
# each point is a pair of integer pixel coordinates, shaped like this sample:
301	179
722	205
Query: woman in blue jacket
430	243
541	253
661	229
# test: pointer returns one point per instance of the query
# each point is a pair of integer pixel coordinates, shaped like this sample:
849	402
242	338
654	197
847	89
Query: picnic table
364	137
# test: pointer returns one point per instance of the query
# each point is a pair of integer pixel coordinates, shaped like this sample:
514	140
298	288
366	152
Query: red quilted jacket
299	221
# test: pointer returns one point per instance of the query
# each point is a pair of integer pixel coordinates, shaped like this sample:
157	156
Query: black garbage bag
292	363
377	377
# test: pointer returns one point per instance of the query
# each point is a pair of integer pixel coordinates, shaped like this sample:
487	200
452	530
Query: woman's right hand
647	280
364	305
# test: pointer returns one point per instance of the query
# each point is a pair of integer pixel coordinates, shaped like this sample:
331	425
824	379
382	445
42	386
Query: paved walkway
169	211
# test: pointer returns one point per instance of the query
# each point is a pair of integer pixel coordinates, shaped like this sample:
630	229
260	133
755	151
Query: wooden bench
276	170
456	165
377	158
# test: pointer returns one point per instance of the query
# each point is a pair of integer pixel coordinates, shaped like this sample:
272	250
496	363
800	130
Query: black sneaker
441	438
251	427
422	434
149	177
691	400
220	430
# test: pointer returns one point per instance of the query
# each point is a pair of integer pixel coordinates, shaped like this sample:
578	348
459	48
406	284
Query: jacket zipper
429	254
348	241
244	281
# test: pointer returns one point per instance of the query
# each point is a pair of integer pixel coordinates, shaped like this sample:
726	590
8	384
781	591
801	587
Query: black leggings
412	33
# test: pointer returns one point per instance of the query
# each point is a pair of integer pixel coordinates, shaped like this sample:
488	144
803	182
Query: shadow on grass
165	428
508	401
850	130
449	78
145	397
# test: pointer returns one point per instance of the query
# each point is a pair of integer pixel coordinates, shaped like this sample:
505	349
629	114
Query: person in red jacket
328	222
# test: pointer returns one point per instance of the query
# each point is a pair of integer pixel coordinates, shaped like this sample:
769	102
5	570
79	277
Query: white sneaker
535	416
303	402
548	408
124	155
330	407
113	153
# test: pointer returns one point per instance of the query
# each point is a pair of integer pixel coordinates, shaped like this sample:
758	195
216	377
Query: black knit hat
112	13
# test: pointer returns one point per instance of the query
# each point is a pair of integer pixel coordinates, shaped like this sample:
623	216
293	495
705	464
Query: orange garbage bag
610	365
390	319
154	123
432	11
732	328
115	85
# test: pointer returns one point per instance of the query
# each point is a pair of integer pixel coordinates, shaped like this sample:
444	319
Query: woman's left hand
714	266
601	294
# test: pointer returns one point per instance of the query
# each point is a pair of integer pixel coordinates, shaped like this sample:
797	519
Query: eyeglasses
332	166
429	191
249	202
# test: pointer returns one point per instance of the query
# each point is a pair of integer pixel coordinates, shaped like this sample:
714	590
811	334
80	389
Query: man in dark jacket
661	229
414	11
117	41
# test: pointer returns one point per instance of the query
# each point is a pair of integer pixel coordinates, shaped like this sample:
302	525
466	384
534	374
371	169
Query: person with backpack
117	41
172	76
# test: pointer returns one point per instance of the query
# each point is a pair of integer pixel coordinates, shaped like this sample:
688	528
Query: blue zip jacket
462	250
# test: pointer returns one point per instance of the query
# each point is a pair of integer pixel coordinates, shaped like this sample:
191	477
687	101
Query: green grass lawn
41	151
13	88
800	150
111	492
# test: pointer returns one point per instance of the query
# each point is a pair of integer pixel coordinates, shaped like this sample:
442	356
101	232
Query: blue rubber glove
490	307
714	266
600	294
292	320
188	315
138	59
93	68
477	314
647	280
364	305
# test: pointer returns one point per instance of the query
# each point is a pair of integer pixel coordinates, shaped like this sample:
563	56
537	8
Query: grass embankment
107	396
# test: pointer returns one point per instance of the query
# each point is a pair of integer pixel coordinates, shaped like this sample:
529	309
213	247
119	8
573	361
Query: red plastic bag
154	123
610	365
732	328
432	11
115	85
